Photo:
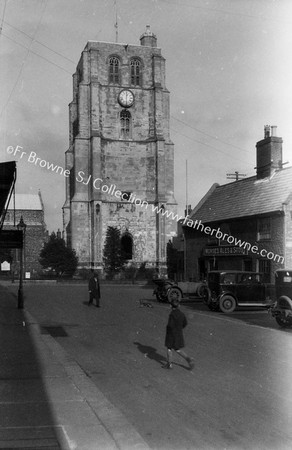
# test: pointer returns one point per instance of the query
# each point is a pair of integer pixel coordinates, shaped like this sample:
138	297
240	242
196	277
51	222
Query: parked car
169	290
229	289
282	308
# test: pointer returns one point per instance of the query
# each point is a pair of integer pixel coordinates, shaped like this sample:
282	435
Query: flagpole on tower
187	200
184	236
116	24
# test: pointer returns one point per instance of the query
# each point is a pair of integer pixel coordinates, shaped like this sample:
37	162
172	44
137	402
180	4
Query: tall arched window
114	70
135	72
127	246
125	124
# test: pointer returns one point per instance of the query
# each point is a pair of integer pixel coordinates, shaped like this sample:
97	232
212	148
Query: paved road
253	316
237	397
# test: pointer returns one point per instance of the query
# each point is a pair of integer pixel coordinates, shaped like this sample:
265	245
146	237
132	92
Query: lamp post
21	227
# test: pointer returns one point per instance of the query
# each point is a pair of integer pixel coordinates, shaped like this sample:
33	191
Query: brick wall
244	229
35	236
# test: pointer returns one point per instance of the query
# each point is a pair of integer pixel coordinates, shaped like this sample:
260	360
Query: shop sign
225	251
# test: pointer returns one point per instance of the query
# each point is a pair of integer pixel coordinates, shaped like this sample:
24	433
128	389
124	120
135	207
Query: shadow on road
26	415
151	352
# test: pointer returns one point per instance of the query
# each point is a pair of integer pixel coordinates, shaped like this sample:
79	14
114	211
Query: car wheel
283	323
227	304
174	294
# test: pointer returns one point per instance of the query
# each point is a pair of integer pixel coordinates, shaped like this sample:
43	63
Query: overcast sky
229	72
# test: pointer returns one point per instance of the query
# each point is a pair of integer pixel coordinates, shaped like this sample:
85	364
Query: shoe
191	364
167	366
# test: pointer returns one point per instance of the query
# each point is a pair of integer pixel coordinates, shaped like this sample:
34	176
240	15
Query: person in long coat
174	338
94	289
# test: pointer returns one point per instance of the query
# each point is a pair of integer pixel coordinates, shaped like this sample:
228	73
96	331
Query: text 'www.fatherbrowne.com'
98	184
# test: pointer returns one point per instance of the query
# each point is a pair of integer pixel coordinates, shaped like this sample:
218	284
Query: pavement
47	401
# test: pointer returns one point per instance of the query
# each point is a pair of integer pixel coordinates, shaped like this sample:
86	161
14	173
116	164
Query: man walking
94	289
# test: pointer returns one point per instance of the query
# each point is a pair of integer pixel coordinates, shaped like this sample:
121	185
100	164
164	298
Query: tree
57	256
112	253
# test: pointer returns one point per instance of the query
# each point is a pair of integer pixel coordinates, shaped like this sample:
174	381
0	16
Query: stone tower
120	157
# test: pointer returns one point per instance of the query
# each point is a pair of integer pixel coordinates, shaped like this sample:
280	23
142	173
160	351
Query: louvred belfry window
125	124
114	70
135	72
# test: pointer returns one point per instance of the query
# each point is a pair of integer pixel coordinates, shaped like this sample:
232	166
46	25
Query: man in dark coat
94	289
174	339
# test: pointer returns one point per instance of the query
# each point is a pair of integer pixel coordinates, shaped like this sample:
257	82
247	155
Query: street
237	397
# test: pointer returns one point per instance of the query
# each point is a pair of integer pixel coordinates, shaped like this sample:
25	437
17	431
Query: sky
228	70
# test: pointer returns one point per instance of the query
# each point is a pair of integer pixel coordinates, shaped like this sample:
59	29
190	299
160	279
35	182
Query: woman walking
174	339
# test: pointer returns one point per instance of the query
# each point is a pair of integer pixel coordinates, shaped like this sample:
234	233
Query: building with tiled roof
246	224
31	208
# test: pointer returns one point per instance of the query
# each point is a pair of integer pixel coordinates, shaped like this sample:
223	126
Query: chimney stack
269	152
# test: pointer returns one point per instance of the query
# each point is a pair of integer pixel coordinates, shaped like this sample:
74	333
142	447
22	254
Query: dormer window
114	70
135	66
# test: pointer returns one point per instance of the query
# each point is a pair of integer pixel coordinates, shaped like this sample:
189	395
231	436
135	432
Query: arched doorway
127	246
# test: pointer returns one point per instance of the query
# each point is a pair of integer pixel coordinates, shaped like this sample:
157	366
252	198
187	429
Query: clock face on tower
126	98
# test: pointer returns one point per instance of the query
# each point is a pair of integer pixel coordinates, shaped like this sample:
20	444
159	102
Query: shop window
114	70
125	124
265	269
264	229
135	72
247	265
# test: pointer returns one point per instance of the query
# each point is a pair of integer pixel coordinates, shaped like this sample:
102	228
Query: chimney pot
267	130
273	130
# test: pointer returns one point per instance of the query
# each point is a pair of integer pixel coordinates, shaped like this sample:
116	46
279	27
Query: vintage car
282	308
168	290
229	289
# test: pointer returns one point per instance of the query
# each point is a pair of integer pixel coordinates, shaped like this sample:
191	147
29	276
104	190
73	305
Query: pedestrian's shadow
150	352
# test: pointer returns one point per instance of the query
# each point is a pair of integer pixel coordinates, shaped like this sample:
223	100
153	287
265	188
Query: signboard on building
11	239
225	251
5	266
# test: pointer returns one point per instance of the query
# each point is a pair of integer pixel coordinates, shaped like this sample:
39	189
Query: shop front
225	257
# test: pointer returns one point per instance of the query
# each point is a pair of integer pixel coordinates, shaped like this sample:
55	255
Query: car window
229	278
249	278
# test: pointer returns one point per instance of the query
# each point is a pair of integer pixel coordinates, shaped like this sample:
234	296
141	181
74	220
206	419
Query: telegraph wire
37	54
39	42
2	21
59	54
70	60
222	11
24	60
190	126
208	145
209	135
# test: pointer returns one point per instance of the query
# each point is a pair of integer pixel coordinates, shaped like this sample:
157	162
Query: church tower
120	156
